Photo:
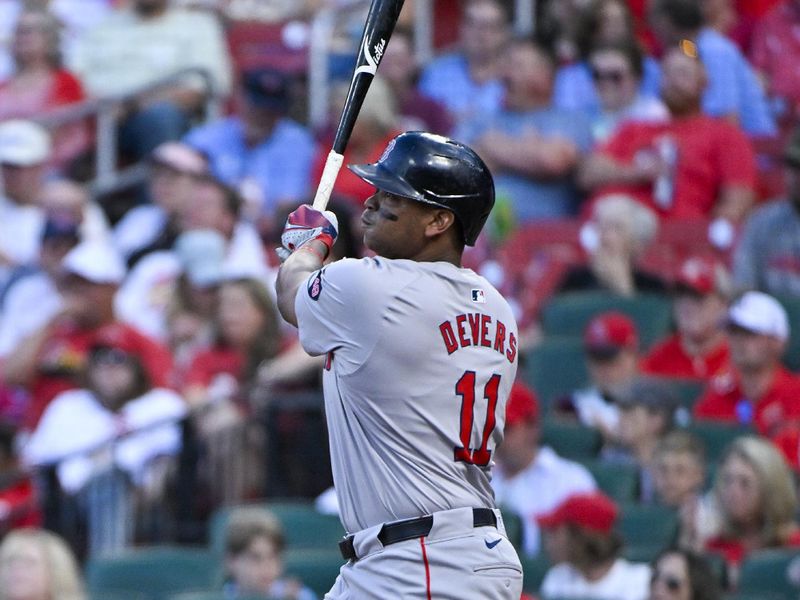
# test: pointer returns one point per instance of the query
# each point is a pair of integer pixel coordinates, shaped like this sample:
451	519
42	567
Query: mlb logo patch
479	296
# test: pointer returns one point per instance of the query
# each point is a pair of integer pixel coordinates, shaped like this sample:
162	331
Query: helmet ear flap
435	170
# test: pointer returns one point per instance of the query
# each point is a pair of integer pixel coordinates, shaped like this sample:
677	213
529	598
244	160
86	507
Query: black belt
400	531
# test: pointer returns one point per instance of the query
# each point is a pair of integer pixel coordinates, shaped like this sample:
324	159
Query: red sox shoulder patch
315	285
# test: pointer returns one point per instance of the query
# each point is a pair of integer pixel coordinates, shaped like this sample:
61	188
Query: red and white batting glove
306	224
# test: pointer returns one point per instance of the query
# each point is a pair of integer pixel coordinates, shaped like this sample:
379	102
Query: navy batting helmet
438	171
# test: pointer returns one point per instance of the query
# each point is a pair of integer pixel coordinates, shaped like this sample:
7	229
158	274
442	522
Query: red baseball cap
610	332
522	405
593	511
702	275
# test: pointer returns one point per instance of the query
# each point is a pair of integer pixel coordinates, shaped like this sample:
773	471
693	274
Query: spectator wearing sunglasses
683	575
617	69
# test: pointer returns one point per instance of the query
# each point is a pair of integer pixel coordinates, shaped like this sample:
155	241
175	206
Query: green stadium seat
120	596
571	439
687	391
647	527
620	482
568	314
217	595
303	526
316	568
155	573
533	572
791	356
513	523
716	436
767	572
555	367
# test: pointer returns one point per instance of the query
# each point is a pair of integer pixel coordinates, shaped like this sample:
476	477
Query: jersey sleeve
336	307
737	159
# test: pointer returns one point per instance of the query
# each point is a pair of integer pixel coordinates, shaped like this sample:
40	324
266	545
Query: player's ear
439	221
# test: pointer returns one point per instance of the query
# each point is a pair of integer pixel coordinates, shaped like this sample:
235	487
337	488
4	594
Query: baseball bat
381	19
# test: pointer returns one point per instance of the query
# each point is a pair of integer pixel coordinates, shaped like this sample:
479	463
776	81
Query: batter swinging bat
378	29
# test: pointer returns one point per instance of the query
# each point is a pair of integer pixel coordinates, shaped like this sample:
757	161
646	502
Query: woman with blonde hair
614	239
756	501
38	565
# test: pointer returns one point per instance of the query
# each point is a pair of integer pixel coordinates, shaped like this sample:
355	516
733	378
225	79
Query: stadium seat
791	356
316	568
216	596
687	391
533	572
513	524
647	529
568	314
155	573
716	436
571	439
303	526
120	596
555	367
620	482
767	572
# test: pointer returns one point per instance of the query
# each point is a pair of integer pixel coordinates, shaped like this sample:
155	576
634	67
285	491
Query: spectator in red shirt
757	502
757	390
247	336
40	83
50	360
692	166
699	348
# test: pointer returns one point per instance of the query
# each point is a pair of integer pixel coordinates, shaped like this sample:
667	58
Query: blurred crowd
640	148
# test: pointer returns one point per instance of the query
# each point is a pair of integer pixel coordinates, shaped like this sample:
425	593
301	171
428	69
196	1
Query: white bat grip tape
332	165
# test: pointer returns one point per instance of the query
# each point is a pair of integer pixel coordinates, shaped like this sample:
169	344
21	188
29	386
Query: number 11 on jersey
466	389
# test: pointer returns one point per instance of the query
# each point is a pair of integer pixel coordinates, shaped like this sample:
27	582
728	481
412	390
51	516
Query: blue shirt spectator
280	164
531	146
260	151
467	82
575	90
447	80
733	89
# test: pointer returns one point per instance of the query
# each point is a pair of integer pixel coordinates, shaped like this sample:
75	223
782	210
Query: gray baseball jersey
421	358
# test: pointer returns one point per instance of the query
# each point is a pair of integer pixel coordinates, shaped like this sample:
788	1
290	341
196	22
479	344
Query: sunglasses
109	356
672	583
610	75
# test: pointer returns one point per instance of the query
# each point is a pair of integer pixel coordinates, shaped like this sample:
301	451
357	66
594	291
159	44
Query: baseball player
421	355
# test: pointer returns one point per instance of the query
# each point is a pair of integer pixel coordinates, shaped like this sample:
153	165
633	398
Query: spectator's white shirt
126	52
625	581
17	319
138	228
20	231
538	489
143	298
592	409
78	428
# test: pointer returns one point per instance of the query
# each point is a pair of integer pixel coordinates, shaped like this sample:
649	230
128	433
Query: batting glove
306	224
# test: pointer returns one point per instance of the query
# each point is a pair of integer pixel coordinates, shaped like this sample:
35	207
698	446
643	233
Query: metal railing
108	176
227	466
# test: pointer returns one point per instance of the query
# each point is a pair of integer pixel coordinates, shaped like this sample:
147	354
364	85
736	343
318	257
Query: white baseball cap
23	143
95	261
760	313
202	253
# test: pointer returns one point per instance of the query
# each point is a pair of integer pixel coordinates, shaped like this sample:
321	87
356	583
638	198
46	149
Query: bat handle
332	165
